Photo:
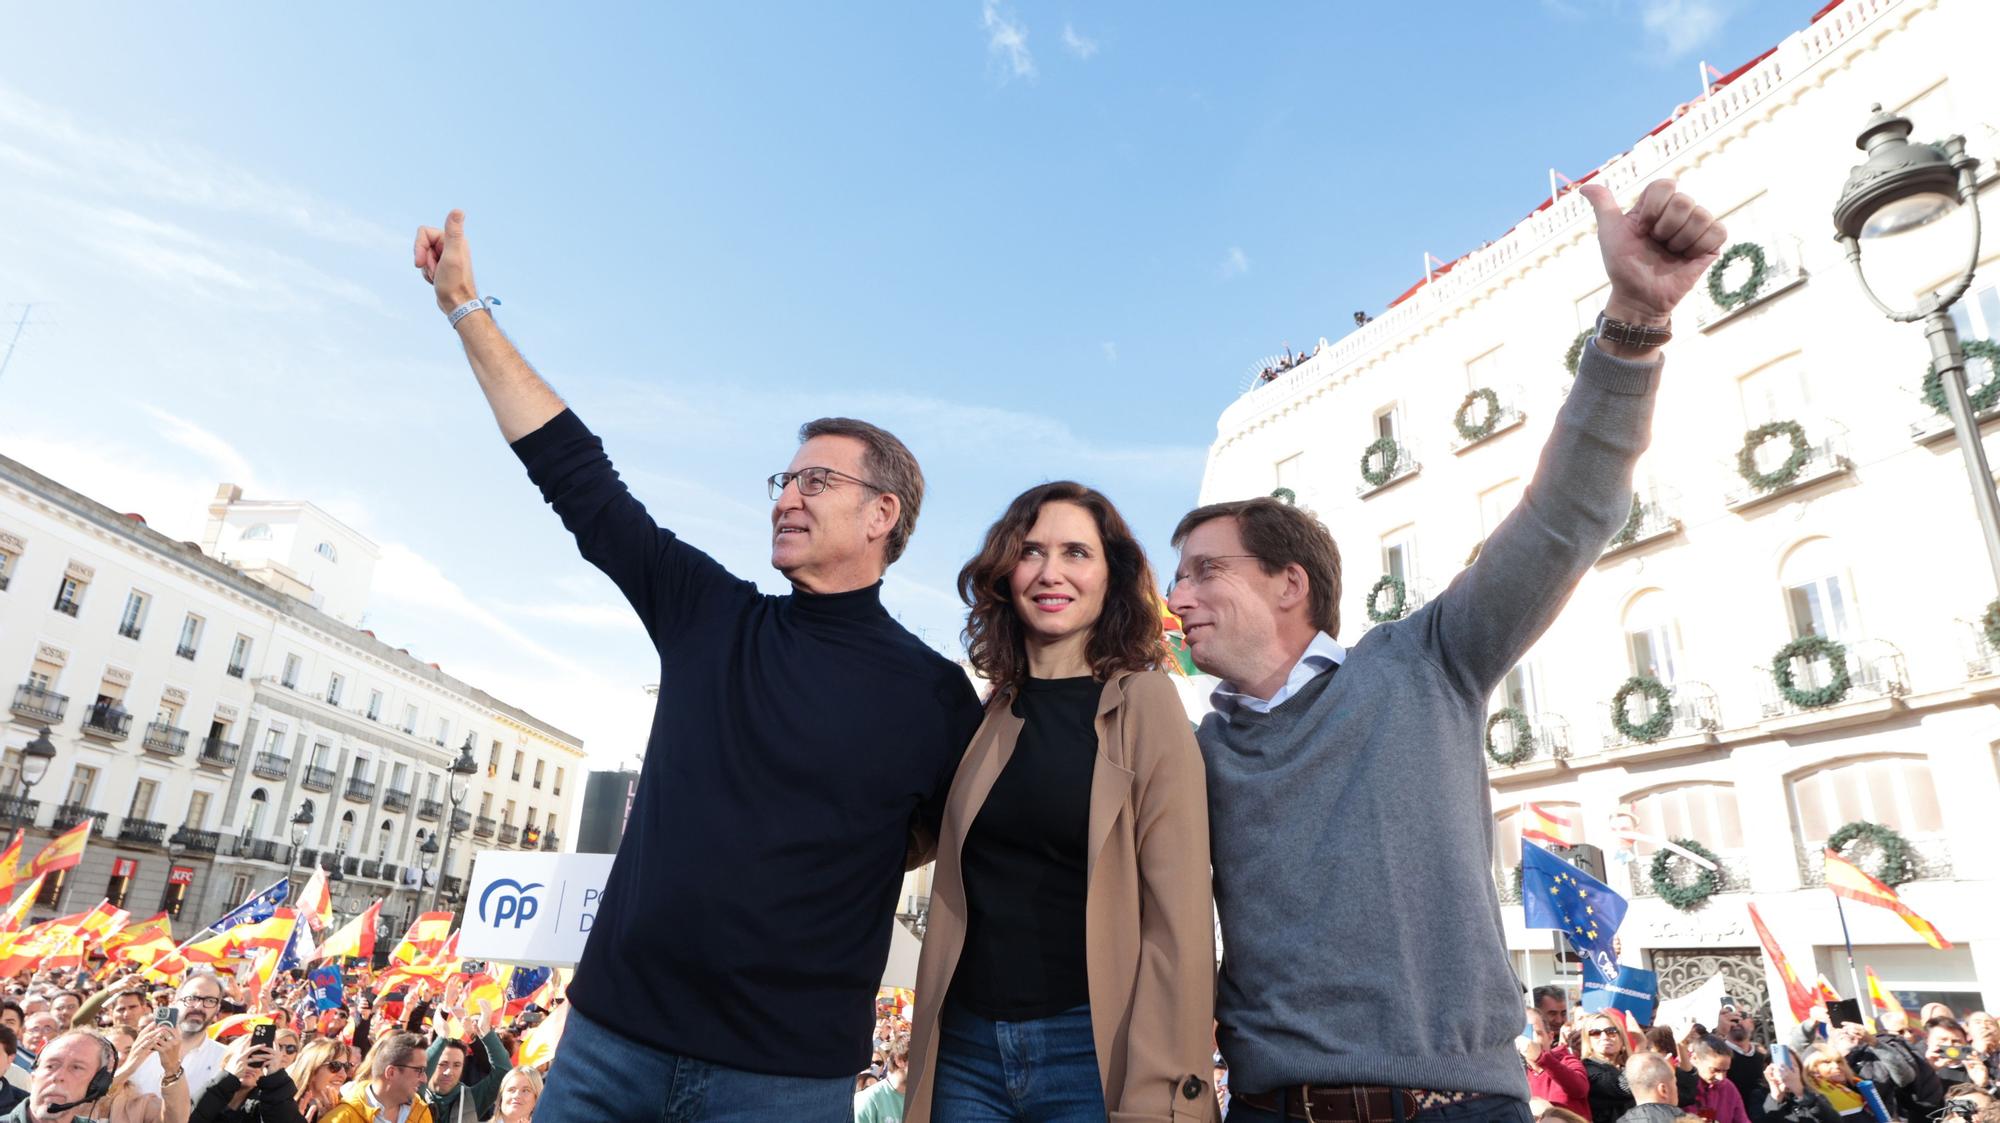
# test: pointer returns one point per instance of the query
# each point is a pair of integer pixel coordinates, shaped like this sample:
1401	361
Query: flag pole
1849	941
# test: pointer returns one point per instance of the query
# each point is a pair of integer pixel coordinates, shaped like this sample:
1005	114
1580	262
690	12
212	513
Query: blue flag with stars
1555	894
259	907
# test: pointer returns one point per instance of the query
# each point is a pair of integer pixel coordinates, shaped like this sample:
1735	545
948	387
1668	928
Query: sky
1037	240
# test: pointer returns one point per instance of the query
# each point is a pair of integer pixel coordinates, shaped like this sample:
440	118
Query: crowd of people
1290	360
114	1045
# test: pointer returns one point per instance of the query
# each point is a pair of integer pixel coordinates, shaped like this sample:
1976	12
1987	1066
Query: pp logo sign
516	902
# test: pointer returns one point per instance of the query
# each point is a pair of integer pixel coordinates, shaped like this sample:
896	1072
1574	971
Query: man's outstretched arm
521	401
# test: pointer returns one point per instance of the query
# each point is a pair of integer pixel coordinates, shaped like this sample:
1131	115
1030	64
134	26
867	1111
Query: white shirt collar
1320	654
368	1090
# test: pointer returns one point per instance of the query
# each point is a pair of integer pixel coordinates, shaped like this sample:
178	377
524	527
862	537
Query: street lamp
1899	188
301	826
36	756
427	857
458	788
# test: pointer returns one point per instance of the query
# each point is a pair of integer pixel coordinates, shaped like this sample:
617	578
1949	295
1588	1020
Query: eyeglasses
210	1001
288	1050
340	1067
1602	1031
812	481
1195	570
413	1068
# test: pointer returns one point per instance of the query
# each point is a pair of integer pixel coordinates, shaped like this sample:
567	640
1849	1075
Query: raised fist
445	260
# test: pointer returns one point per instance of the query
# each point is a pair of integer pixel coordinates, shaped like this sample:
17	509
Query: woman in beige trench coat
1068	968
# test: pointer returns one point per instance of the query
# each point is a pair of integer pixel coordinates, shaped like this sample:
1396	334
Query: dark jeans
600	1075
1039	1071
1486	1109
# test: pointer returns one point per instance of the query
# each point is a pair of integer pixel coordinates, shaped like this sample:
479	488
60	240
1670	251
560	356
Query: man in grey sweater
1364	975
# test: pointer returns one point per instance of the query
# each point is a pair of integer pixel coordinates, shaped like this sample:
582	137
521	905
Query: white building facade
1869	541
200	714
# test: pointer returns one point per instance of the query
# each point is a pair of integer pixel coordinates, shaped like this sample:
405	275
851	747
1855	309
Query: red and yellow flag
1885	1002
269	934
144	931
355	940
315	904
424	940
10	920
10	866
1796	995
538	1045
1544	826
1850	881
63	851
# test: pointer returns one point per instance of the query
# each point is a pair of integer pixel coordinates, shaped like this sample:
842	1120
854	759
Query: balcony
70	814
194	841
461	821
1782	273
317	779
372	869
234	670
484	826
360	791
531	837
349	866
1930	859
142	832
184	651
1406	466
510	835
18	812
164	739
391	874
39	703
258	849
66	606
1416	593
1876	673
1982	658
218	753
1824	461
272	766
107	723
429	810
550	842
129	630
1697	714
1649	523
1548	745
1506	417
395	799
451	886
1732	869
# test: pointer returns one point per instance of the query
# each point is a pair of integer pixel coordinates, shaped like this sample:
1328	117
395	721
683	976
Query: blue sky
1038	240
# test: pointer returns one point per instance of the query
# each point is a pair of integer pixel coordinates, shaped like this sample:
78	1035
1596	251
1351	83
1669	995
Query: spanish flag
1885	1002
10	866
1796	995
1541	826
538	1045
425	938
144	931
356	939
1848	880
10	920
316	901
63	851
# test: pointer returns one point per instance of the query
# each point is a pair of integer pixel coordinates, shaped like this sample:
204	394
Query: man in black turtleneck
799	743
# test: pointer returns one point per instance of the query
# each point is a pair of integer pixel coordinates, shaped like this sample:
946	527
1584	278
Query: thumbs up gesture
1655	252
445	260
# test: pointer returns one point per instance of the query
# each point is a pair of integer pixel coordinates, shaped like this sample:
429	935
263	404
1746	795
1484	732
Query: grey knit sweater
1352	825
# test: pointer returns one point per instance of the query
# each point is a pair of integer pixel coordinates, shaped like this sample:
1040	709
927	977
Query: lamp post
36	756
427	857
1901	187
458	789
301	826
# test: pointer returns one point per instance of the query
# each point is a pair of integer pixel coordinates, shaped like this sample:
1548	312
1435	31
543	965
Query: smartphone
168	1015
1783	1056
1845	1012
264	1036
1954	1053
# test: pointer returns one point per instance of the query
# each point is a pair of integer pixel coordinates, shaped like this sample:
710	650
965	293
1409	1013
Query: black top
1025	862
1746	1071
796	738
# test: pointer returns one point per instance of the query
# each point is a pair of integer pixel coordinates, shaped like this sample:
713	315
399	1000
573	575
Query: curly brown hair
1126	637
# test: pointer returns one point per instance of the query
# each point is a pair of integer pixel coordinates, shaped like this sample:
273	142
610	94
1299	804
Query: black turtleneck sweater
796	738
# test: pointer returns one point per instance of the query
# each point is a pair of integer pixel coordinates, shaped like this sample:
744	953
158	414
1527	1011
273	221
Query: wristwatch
172	1078
1632	335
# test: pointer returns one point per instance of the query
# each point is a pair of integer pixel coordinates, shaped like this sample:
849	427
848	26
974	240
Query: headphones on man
100	1081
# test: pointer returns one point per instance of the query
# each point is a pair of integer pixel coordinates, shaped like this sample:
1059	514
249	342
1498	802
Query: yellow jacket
357	1108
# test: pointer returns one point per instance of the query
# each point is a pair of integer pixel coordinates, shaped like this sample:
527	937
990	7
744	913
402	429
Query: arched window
257	533
1818	601
1894	791
326	550
383	838
1705	813
259	806
346	840
1652	641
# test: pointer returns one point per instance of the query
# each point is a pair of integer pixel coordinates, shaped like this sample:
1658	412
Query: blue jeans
1039	1071
1486	1109
600	1075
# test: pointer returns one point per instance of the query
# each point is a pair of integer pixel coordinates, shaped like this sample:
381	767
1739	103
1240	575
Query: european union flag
524	981
1555	894
258	907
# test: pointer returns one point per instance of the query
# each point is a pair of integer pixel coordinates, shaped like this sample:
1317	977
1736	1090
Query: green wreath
1391	453
1746	457
1286	496
1524	738
1685	896
1397	607
1653	728
1485	428
1574	356
1896	864
1982	399
1629	533
1991	623
1810	647
1726	299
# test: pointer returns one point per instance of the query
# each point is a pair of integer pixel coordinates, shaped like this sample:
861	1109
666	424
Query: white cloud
231	465
1006	41
1682	25
1076	44
1235	263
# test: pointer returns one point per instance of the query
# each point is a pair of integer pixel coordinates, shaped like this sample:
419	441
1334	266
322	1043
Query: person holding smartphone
1949	1050
1789	1100
253	1086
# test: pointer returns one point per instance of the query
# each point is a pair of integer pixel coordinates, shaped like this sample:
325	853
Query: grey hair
890	466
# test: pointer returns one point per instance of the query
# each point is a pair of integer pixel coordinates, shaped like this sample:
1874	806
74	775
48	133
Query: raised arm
521	401
1581	492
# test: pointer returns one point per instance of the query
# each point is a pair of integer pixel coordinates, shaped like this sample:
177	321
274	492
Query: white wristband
471	306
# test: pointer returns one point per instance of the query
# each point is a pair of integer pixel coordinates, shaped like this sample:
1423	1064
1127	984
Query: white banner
531	908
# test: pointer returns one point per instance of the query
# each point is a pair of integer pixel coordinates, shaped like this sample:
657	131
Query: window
322	755
1388	423
197	815
431	787
1700	811
290	679
1590	305
1399	555
82	782
1518	690
399	779
1776	392
69	596
486	805
1289	473
326	550
1816	596
143	795
410	720
558	787
334	683
190	636
175	893
239	656
274	742
239	887
1650	640
519	757
1484	372
1507	832
6	569
122	872
258	533
444	731
382	839
493	760
538	773
507	814
345	840
1977	316
374	705
1897	792
360	771
134	617
254	825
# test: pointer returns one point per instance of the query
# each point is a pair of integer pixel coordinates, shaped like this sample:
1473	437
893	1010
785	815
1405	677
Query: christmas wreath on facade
1895	863
1462	420
1726	299
1982	399
1524	738
1574	355
1811	647
1654	727
1991	623
1389	452
1685	895
1399	601
1286	496
1746	458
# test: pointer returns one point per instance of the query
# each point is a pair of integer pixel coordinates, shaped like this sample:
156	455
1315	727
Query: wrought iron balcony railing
70	814
1696	710
142	832
18	812
484	826
218	752
360	791
317	779
510	835
396	799
107	723
39	703
164	739
272	766
1875	669
429	810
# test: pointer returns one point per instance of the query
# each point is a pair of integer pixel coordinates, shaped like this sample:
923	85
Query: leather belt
1350	1103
